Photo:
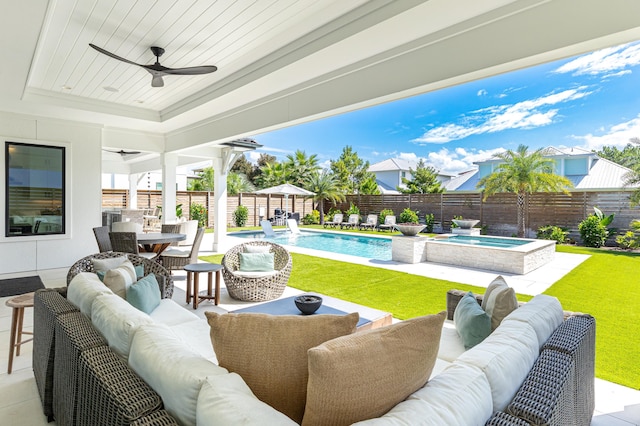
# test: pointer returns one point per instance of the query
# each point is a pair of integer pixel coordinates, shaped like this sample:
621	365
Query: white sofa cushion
83	290
460	395
170	313
172	369
505	357
196	334
451	345
543	313
117	321
227	400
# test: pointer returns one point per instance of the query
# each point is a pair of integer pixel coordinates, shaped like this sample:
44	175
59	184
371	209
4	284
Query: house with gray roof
585	169
390	172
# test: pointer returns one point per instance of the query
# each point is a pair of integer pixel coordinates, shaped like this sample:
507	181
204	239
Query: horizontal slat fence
113	199
498	213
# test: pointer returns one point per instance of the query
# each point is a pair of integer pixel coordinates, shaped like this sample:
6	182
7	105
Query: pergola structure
279	63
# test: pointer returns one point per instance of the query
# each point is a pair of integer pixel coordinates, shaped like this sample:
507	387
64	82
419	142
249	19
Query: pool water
486	241
354	245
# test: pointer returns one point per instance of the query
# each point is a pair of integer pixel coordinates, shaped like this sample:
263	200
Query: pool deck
535	282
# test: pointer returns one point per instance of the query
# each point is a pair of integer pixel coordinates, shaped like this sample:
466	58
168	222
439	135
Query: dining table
157	242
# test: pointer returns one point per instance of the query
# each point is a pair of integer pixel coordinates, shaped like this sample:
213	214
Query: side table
193	271
18	304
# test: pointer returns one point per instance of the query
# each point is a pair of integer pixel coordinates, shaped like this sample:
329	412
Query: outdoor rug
22	285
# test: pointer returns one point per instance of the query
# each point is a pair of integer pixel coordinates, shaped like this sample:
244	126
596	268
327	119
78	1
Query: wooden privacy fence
499	212
118	198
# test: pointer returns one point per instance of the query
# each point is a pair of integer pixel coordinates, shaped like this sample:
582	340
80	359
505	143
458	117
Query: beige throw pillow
364	375
120	278
269	352
499	301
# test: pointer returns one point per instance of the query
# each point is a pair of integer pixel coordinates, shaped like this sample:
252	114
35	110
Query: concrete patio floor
20	404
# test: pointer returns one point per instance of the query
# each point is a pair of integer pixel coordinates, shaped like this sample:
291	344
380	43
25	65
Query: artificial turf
607	286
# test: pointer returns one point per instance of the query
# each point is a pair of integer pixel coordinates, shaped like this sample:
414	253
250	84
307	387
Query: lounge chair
256	286
389	221
337	220
371	222
352	222
293	226
267	228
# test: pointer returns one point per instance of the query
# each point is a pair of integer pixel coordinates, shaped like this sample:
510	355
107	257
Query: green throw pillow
256	262
144	294
472	322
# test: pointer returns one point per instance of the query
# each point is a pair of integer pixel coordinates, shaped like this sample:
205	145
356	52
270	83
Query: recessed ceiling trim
63	99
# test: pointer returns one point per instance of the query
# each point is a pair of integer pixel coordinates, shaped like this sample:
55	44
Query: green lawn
606	286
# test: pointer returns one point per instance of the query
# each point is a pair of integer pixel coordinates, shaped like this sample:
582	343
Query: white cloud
482	92
617	135
604	62
408	156
522	115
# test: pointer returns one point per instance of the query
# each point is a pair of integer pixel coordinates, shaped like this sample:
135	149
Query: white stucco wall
84	199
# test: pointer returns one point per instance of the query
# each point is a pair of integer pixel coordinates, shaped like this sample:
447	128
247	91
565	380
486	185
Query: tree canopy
351	170
424	181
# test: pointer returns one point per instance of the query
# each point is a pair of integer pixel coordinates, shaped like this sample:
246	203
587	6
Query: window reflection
35	192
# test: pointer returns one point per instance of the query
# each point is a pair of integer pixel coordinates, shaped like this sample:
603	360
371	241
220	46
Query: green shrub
331	213
353	209
551	232
240	216
628	241
311	219
408	216
384	213
429	219
198	212
593	232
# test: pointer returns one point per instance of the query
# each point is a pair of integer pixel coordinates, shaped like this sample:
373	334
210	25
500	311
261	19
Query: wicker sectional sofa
165	372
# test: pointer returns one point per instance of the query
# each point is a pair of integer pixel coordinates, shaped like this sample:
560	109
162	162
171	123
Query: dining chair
127	242
170	228
102	238
126	227
175	258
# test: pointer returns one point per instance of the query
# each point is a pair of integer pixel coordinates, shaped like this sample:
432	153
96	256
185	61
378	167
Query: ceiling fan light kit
156	70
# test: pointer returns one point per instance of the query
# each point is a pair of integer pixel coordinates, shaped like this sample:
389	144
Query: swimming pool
351	244
485	241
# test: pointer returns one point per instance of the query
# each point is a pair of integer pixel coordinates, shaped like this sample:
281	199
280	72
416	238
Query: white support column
169	165
133	191
221	167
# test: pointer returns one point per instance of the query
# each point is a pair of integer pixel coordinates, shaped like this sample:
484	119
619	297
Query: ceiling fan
122	152
157	70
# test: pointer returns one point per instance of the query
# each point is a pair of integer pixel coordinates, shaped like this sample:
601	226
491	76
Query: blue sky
589	101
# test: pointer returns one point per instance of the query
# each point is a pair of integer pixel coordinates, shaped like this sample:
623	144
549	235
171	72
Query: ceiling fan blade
106	52
204	69
157	81
122	152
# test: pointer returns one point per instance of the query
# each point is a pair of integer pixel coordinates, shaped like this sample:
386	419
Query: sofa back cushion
117	321
499	301
460	395
505	357
162	360
543	313
227	400
83	290
365	374
270	352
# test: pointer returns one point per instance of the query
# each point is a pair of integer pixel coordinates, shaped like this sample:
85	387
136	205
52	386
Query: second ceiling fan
158	71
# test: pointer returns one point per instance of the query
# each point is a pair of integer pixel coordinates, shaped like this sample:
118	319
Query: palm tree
301	167
238	183
272	174
523	172
326	187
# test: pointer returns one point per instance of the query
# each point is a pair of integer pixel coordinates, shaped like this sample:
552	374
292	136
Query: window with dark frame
34	189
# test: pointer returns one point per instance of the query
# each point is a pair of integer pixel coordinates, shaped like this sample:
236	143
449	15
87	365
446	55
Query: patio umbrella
286	189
